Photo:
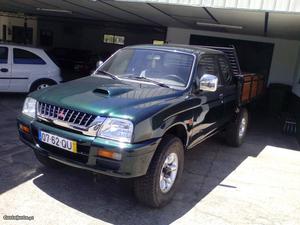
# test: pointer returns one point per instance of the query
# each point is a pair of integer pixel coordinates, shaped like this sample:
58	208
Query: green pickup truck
136	115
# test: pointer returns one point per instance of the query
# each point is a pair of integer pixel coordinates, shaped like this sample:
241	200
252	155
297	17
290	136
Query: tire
38	85
234	134
47	162
148	189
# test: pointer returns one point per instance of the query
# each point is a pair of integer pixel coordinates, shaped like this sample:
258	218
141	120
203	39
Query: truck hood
108	97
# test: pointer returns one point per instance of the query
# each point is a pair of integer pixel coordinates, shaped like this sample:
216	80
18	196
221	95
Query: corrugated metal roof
265	5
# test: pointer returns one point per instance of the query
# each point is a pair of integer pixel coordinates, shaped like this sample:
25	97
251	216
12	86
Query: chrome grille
76	118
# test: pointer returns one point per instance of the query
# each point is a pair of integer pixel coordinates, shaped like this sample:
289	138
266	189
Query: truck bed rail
230	52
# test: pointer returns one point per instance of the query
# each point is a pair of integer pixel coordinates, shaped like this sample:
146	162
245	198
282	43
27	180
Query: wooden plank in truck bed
251	88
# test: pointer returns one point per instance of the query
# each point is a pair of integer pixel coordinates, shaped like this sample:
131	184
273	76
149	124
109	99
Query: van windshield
169	68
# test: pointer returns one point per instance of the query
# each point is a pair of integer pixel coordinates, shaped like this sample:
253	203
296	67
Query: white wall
285	54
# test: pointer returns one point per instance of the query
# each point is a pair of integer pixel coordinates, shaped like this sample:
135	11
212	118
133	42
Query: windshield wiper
149	80
109	74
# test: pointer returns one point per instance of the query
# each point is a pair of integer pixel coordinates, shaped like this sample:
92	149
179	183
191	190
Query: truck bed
251	87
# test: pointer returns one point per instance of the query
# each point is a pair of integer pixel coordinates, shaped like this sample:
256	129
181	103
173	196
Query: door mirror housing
209	83
99	63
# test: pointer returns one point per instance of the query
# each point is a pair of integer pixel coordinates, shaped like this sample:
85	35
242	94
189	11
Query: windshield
169	68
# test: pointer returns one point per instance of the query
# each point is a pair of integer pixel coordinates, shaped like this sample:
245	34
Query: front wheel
158	186
236	131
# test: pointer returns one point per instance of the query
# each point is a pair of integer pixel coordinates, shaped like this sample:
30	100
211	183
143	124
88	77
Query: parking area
257	183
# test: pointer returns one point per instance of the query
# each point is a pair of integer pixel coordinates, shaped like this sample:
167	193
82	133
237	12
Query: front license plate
57	141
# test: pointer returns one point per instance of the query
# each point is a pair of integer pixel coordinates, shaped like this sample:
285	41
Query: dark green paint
153	110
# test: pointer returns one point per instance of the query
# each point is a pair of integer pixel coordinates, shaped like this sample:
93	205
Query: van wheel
41	85
236	131
158	186
47	162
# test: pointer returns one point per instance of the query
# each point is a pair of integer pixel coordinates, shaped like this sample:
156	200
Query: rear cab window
225	70
21	56
3	55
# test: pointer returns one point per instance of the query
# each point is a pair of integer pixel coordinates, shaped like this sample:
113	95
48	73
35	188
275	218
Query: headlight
116	129
29	107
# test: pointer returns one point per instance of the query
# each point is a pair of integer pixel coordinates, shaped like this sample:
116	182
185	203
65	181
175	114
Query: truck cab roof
194	49
229	52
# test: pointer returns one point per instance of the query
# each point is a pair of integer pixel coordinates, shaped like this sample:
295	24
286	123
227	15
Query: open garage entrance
254	57
77	45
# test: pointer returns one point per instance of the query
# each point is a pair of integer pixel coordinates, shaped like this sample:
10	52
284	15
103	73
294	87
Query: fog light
108	154
24	128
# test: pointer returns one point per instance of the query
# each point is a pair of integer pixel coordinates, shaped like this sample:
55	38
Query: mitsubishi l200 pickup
137	114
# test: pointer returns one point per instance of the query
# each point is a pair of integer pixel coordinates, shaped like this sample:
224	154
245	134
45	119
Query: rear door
208	117
27	67
229	88
5	68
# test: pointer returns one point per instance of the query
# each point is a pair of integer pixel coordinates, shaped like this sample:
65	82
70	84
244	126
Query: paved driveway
258	183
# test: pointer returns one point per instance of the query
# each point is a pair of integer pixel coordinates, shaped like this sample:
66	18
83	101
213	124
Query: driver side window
208	65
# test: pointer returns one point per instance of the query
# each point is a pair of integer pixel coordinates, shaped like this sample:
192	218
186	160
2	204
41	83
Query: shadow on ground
110	199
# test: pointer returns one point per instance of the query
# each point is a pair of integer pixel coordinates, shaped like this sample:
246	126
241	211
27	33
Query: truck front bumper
134	162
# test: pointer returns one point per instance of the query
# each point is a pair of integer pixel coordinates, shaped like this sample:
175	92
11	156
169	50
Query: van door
5	68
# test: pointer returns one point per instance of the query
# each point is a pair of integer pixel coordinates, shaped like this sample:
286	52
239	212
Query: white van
26	69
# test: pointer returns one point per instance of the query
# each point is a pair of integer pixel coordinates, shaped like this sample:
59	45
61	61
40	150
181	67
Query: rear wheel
158	186
46	161
236	131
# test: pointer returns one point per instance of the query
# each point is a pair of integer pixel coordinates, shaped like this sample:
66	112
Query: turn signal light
24	128
108	154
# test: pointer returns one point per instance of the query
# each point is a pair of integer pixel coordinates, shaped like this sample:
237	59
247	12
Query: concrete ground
258	183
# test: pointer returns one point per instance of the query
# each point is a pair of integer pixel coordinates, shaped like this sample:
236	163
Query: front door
208	117
5	68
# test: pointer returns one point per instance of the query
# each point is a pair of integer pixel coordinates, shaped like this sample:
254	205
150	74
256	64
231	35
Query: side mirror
209	83
99	63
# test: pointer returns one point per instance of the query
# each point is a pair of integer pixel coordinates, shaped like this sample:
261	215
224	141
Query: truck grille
73	117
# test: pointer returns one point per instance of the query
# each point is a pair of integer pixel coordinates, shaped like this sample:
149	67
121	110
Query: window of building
113	39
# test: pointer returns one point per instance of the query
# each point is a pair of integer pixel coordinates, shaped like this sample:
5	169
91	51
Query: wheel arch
34	83
179	130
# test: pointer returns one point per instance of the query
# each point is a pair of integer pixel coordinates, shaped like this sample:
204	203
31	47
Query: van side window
225	70
22	56
3	55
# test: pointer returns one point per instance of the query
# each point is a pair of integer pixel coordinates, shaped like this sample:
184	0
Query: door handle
221	97
4	70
